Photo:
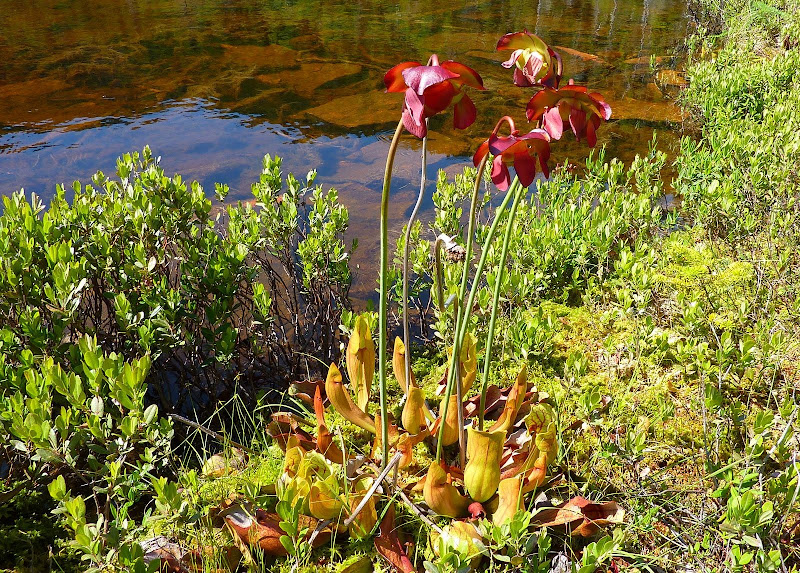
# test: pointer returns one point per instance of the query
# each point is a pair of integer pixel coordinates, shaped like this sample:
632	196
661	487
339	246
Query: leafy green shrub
136	294
568	235
84	431
221	300
742	175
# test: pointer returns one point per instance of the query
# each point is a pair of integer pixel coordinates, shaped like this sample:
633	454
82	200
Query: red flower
534	62
521	151
585	111
431	89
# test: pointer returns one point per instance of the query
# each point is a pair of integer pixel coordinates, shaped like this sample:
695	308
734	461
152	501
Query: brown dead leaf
262	529
581	516
390	546
172	556
306	389
281	435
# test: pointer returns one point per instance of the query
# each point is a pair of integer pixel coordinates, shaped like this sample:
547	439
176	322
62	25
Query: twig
211	433
320	526
371	491
418	511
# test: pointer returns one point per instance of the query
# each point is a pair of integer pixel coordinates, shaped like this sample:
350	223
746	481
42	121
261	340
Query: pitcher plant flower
520	151
430	89
583	110
534	62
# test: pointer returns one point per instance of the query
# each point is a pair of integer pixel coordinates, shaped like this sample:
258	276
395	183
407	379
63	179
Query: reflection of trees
107	58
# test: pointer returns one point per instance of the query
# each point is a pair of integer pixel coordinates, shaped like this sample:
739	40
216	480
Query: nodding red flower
519	151
534	62
431	89
585	111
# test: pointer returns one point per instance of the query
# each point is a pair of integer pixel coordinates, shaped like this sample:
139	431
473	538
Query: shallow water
213	85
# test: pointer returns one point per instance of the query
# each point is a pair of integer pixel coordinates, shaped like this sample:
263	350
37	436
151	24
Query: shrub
568	234
220	299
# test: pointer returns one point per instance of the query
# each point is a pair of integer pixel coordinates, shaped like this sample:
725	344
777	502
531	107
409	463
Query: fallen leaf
306	389
581	516
262	529
390	545
494	401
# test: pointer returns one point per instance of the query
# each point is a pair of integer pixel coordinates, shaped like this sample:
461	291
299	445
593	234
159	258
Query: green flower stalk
406	250
520	191
384	272
428	90
525	152
464	322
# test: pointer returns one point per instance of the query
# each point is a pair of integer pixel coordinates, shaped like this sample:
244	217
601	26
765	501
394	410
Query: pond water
213	85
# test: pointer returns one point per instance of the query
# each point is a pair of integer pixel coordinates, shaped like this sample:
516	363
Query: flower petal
520	80
577	119
544	156
415	105
553	123
547	98
525	166
532	67
602	105
556	70
591	135
500	175
521	40
394	81
466	75
480	153
417	129
438	97
512	59
499	145
420	78
464	113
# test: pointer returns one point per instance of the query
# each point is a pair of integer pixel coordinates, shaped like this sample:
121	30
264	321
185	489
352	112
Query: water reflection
213	85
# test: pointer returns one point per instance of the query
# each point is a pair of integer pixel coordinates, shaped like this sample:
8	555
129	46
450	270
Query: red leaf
390	546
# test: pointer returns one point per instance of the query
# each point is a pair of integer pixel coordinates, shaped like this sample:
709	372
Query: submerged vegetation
617	390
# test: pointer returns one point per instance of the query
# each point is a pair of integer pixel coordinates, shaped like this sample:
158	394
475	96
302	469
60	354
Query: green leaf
57	488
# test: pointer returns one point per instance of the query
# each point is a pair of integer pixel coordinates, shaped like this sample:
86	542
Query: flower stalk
464	322
406	251
520	191
462	316
384	287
